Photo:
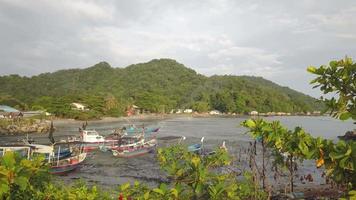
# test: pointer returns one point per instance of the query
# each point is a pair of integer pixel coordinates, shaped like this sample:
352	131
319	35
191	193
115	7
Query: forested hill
157	86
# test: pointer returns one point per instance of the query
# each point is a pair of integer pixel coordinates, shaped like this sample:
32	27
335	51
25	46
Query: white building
214	112
254	113
179	111
78	106
188	111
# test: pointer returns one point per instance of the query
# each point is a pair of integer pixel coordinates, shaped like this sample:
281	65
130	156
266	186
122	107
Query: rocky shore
12	127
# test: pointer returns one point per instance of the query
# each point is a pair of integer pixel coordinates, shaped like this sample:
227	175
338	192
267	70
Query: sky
275	39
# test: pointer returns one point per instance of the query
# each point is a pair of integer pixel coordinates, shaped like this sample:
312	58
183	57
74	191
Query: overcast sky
273	39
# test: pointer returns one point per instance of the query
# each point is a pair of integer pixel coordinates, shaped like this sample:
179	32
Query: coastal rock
24	128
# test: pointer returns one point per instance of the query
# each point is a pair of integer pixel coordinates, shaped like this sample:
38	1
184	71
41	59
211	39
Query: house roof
8	108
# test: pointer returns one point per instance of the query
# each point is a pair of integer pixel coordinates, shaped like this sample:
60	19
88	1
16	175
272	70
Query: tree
338	78
201	106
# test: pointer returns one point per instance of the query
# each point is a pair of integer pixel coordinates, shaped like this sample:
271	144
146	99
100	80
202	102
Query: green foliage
201	106
157	86
78	190
13	102
339	158
29	179
194	177
197	179
21	178
338	78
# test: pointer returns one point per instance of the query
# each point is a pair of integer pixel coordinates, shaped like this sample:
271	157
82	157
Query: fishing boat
23	150
66	165
196	148
91	140
126	141
63	153
129	151
349	135
132	129
58	165
148	130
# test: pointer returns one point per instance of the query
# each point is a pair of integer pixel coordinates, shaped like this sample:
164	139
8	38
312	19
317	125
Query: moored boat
134	150
67	165
196	148
91	140
126	141
23	150
62	153
132	129
349	135
58	165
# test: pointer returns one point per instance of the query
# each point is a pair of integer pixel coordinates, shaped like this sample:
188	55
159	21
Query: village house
215	112
78	106
9	112
179	111
254	113
188	111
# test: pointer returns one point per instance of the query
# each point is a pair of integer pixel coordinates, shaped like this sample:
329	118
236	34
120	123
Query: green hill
157	86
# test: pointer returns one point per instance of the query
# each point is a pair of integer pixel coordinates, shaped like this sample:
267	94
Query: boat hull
91	146
134	153
63	169
136	150
138	130
195	148
67	165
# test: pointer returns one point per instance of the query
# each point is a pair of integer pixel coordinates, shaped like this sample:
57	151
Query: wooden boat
91	140
22	150
66	165
135	130
196	148
349	135
126	142
148	130
63	153
135	150
123	144
58	165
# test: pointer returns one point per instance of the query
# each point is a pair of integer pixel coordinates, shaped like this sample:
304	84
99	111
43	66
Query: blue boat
148	130
195	148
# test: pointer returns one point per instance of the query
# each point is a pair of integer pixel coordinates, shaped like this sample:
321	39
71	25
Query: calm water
106	170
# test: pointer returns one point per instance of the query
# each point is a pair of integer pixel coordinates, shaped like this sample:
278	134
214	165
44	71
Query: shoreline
168	116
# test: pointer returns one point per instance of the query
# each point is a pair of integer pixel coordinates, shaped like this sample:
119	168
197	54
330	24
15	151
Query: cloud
276	39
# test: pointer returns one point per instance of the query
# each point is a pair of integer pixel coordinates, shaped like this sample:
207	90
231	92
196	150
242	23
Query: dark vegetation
157	86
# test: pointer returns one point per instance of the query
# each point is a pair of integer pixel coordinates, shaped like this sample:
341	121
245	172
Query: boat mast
59	150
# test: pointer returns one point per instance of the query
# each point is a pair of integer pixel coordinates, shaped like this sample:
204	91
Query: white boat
92	140
24	151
